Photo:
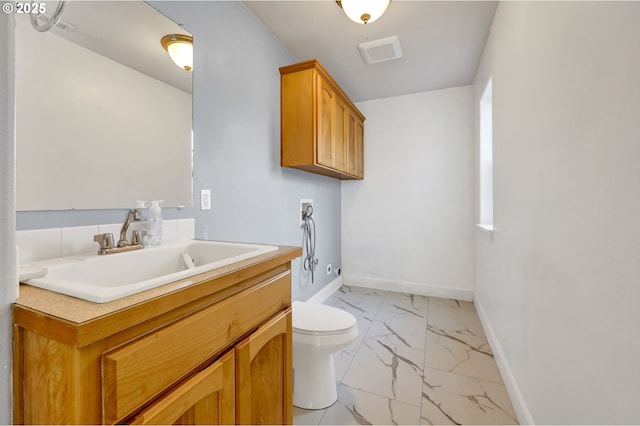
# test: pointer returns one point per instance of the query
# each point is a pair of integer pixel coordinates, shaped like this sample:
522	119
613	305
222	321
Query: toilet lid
320	319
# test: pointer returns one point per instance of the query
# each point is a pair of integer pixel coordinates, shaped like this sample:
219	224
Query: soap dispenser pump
144	230
155	224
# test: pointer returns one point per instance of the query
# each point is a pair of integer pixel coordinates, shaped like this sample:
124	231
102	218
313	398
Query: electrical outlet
205	199
329	269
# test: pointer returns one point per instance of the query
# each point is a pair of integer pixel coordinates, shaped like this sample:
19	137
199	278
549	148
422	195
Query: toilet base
314	378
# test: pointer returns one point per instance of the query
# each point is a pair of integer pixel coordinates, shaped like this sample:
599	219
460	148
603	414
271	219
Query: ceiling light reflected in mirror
180	48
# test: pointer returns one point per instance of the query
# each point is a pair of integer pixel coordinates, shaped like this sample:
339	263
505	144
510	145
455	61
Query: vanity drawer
134	374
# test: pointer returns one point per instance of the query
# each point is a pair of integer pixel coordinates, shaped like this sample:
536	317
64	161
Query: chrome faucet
106	240
131	216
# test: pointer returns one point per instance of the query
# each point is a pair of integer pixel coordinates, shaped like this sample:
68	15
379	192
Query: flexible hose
309	228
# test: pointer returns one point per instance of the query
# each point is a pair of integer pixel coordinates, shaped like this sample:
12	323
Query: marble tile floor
418	360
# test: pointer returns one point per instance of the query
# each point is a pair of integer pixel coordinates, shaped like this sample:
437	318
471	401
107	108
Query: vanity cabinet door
264	374
142	370
207	397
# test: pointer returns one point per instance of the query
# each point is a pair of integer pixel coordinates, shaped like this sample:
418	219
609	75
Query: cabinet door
324	142
359	148
208	397
339	119
332	128
264	374
355	145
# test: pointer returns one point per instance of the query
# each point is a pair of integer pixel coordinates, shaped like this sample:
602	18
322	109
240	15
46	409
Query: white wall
8	278
558	287
409	224
103	126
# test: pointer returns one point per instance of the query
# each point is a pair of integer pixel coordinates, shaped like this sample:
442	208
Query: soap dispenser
155	224
140	235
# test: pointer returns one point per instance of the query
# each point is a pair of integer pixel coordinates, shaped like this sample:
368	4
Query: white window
486	159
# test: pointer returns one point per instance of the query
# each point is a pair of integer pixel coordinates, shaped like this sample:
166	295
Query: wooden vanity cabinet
214	352
205	398
322	131
264	374
260	366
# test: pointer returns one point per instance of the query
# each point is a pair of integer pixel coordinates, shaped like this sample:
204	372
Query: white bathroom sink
108	277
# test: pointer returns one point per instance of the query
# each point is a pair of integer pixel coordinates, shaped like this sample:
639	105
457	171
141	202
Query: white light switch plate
205	199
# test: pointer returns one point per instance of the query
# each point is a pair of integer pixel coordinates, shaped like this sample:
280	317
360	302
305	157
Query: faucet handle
105	241
136	237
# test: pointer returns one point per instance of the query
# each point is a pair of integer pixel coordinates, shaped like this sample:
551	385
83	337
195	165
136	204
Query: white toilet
318	332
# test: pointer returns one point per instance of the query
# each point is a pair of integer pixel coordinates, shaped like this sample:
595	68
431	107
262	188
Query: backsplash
40	244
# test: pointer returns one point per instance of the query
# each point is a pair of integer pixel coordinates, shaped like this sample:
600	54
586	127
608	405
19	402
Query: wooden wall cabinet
321	129
214	352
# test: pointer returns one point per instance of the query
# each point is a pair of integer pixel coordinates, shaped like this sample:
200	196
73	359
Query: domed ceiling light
180	48
363	11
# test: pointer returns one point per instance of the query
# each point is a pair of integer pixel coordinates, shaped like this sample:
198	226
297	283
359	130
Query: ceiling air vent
385	49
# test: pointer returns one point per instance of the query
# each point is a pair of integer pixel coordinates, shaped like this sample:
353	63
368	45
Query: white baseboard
519	405
326	291
410	287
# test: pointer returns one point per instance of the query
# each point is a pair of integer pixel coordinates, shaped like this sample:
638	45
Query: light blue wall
237	139
236	108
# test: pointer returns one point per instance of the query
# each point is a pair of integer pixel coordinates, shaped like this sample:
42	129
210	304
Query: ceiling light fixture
363	11
180	48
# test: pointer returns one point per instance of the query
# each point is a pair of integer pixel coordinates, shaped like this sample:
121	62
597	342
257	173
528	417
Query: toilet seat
320	320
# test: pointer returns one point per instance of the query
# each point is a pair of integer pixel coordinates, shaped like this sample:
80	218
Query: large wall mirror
103	114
